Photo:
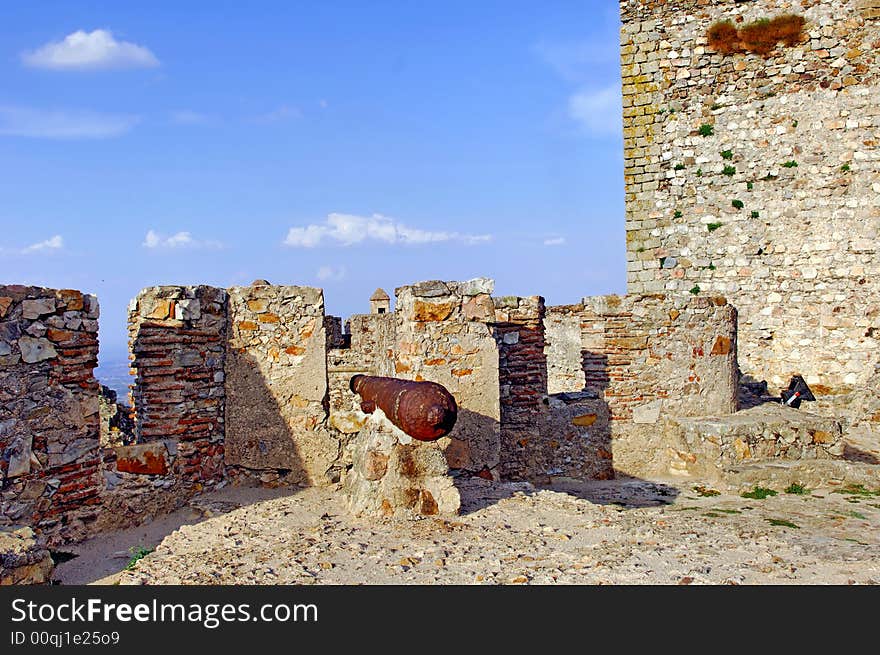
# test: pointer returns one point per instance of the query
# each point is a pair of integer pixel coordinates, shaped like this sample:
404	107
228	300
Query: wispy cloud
591	67
94	50
574	60
52	244
282	113
598	111
331	273
349	229
156	241
554	241
189	117
63	124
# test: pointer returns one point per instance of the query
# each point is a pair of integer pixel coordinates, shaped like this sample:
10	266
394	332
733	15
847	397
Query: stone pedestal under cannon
394	474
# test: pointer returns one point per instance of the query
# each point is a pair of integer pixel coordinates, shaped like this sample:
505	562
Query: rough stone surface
276	384
794	137
460	353
396	476
49	419
144	459
24	558
179	365
617	532
712	445
645	358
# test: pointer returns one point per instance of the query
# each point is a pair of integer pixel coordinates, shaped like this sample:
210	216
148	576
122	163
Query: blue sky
347	145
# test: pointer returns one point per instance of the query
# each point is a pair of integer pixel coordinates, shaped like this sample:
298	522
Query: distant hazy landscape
113	372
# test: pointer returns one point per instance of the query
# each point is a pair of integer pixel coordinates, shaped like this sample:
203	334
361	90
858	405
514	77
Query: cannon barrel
424	410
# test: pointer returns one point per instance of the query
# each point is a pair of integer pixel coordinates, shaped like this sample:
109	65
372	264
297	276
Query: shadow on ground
98	559
624	491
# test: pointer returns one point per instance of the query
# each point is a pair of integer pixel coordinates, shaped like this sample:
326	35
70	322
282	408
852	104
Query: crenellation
49	410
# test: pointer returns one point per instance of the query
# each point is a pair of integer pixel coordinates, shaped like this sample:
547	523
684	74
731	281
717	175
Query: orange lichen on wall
759	37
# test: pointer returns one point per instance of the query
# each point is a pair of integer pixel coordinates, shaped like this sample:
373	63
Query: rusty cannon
424	410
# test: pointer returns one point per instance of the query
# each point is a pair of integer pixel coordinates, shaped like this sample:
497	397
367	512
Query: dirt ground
616	532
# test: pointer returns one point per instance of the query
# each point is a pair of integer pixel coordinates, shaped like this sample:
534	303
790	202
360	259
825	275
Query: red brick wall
49	418
178	343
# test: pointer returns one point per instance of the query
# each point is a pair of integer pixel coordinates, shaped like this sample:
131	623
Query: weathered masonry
49	424
253	382
758	177
643	359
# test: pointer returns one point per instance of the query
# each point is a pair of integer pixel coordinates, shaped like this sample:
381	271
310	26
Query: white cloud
349	229
63	124
330	273
49	245
283	113
554	241
155	241
599	112
189	117
89	51
576	61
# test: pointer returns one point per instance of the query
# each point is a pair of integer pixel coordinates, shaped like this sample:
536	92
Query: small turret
380	302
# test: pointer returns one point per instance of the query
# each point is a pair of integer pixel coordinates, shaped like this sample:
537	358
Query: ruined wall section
443	335
518	328
757	178
49	414
178	349
664	356
276	385
646	358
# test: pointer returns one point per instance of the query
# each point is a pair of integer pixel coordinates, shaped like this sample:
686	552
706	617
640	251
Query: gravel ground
618	532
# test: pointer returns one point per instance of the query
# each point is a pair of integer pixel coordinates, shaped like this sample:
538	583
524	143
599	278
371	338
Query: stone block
73	300
425	312
9	331
24	558
721	346
188	309
143	459
36	350
430	289
648	413
34	309
477	286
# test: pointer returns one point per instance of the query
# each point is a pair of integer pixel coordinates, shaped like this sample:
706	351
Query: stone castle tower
757	176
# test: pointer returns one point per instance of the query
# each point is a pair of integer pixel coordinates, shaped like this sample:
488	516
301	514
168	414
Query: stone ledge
715	445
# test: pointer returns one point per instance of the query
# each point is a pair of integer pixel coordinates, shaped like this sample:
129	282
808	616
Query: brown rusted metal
424	410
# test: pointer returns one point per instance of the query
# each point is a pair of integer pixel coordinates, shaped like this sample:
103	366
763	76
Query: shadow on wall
567	447
259	440
472	441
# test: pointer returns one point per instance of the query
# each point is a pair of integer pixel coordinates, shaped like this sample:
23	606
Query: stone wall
49	414
518	328
757	178
443	334
178	347
276	385
645	358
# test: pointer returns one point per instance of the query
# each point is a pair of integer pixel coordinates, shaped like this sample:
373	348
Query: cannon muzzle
424	410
